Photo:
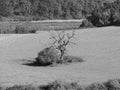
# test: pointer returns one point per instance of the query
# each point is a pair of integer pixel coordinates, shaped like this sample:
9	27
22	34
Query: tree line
61	9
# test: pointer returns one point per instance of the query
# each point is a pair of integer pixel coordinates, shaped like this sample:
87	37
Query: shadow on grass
67	61
33	63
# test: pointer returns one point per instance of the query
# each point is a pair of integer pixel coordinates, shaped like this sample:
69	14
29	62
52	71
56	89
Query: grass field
98	47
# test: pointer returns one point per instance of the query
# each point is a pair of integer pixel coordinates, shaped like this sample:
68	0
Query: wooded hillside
58	9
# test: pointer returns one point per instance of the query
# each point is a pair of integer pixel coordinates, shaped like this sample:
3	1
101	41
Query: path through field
100	49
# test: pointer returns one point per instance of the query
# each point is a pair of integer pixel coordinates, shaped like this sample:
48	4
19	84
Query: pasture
98	47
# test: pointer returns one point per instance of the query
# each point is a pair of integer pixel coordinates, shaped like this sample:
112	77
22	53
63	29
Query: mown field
98	47
10	27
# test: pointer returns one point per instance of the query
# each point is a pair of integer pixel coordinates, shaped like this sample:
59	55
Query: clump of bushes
23	30
48	56
72	59
19	87
56	53
86	24
100	18
51	56
107	15
109	85
113	84
60	85
20	30
32	31
96	86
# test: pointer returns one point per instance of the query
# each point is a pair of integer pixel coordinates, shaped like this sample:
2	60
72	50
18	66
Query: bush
96	86
51	56
20	30
48	56
113	84
23	30
107	15
115	19
100	18
71	59
59	85
32	31
27	87
86	24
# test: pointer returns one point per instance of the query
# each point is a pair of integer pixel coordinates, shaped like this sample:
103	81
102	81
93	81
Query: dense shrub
59	85
27	87
51	56
96	86
48	56
100	18
113	84
71	59
23	30
20	30
32	31
109	85
108	15
115	19
86	24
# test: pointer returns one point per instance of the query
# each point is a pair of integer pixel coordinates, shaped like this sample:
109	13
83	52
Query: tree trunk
62	56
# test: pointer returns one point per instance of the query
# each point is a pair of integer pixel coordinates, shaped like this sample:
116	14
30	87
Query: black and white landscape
78	51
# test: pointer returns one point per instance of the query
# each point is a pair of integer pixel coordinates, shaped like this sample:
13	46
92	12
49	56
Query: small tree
61	40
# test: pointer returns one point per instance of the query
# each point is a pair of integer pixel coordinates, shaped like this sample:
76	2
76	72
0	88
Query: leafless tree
61	39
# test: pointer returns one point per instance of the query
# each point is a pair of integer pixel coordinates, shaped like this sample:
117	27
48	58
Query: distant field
9	27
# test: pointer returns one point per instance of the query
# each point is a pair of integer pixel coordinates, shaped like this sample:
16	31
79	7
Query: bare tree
61	39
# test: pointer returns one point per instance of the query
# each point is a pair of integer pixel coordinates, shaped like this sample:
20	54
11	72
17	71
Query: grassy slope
98	47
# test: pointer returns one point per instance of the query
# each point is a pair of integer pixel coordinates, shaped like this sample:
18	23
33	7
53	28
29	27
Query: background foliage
104	12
